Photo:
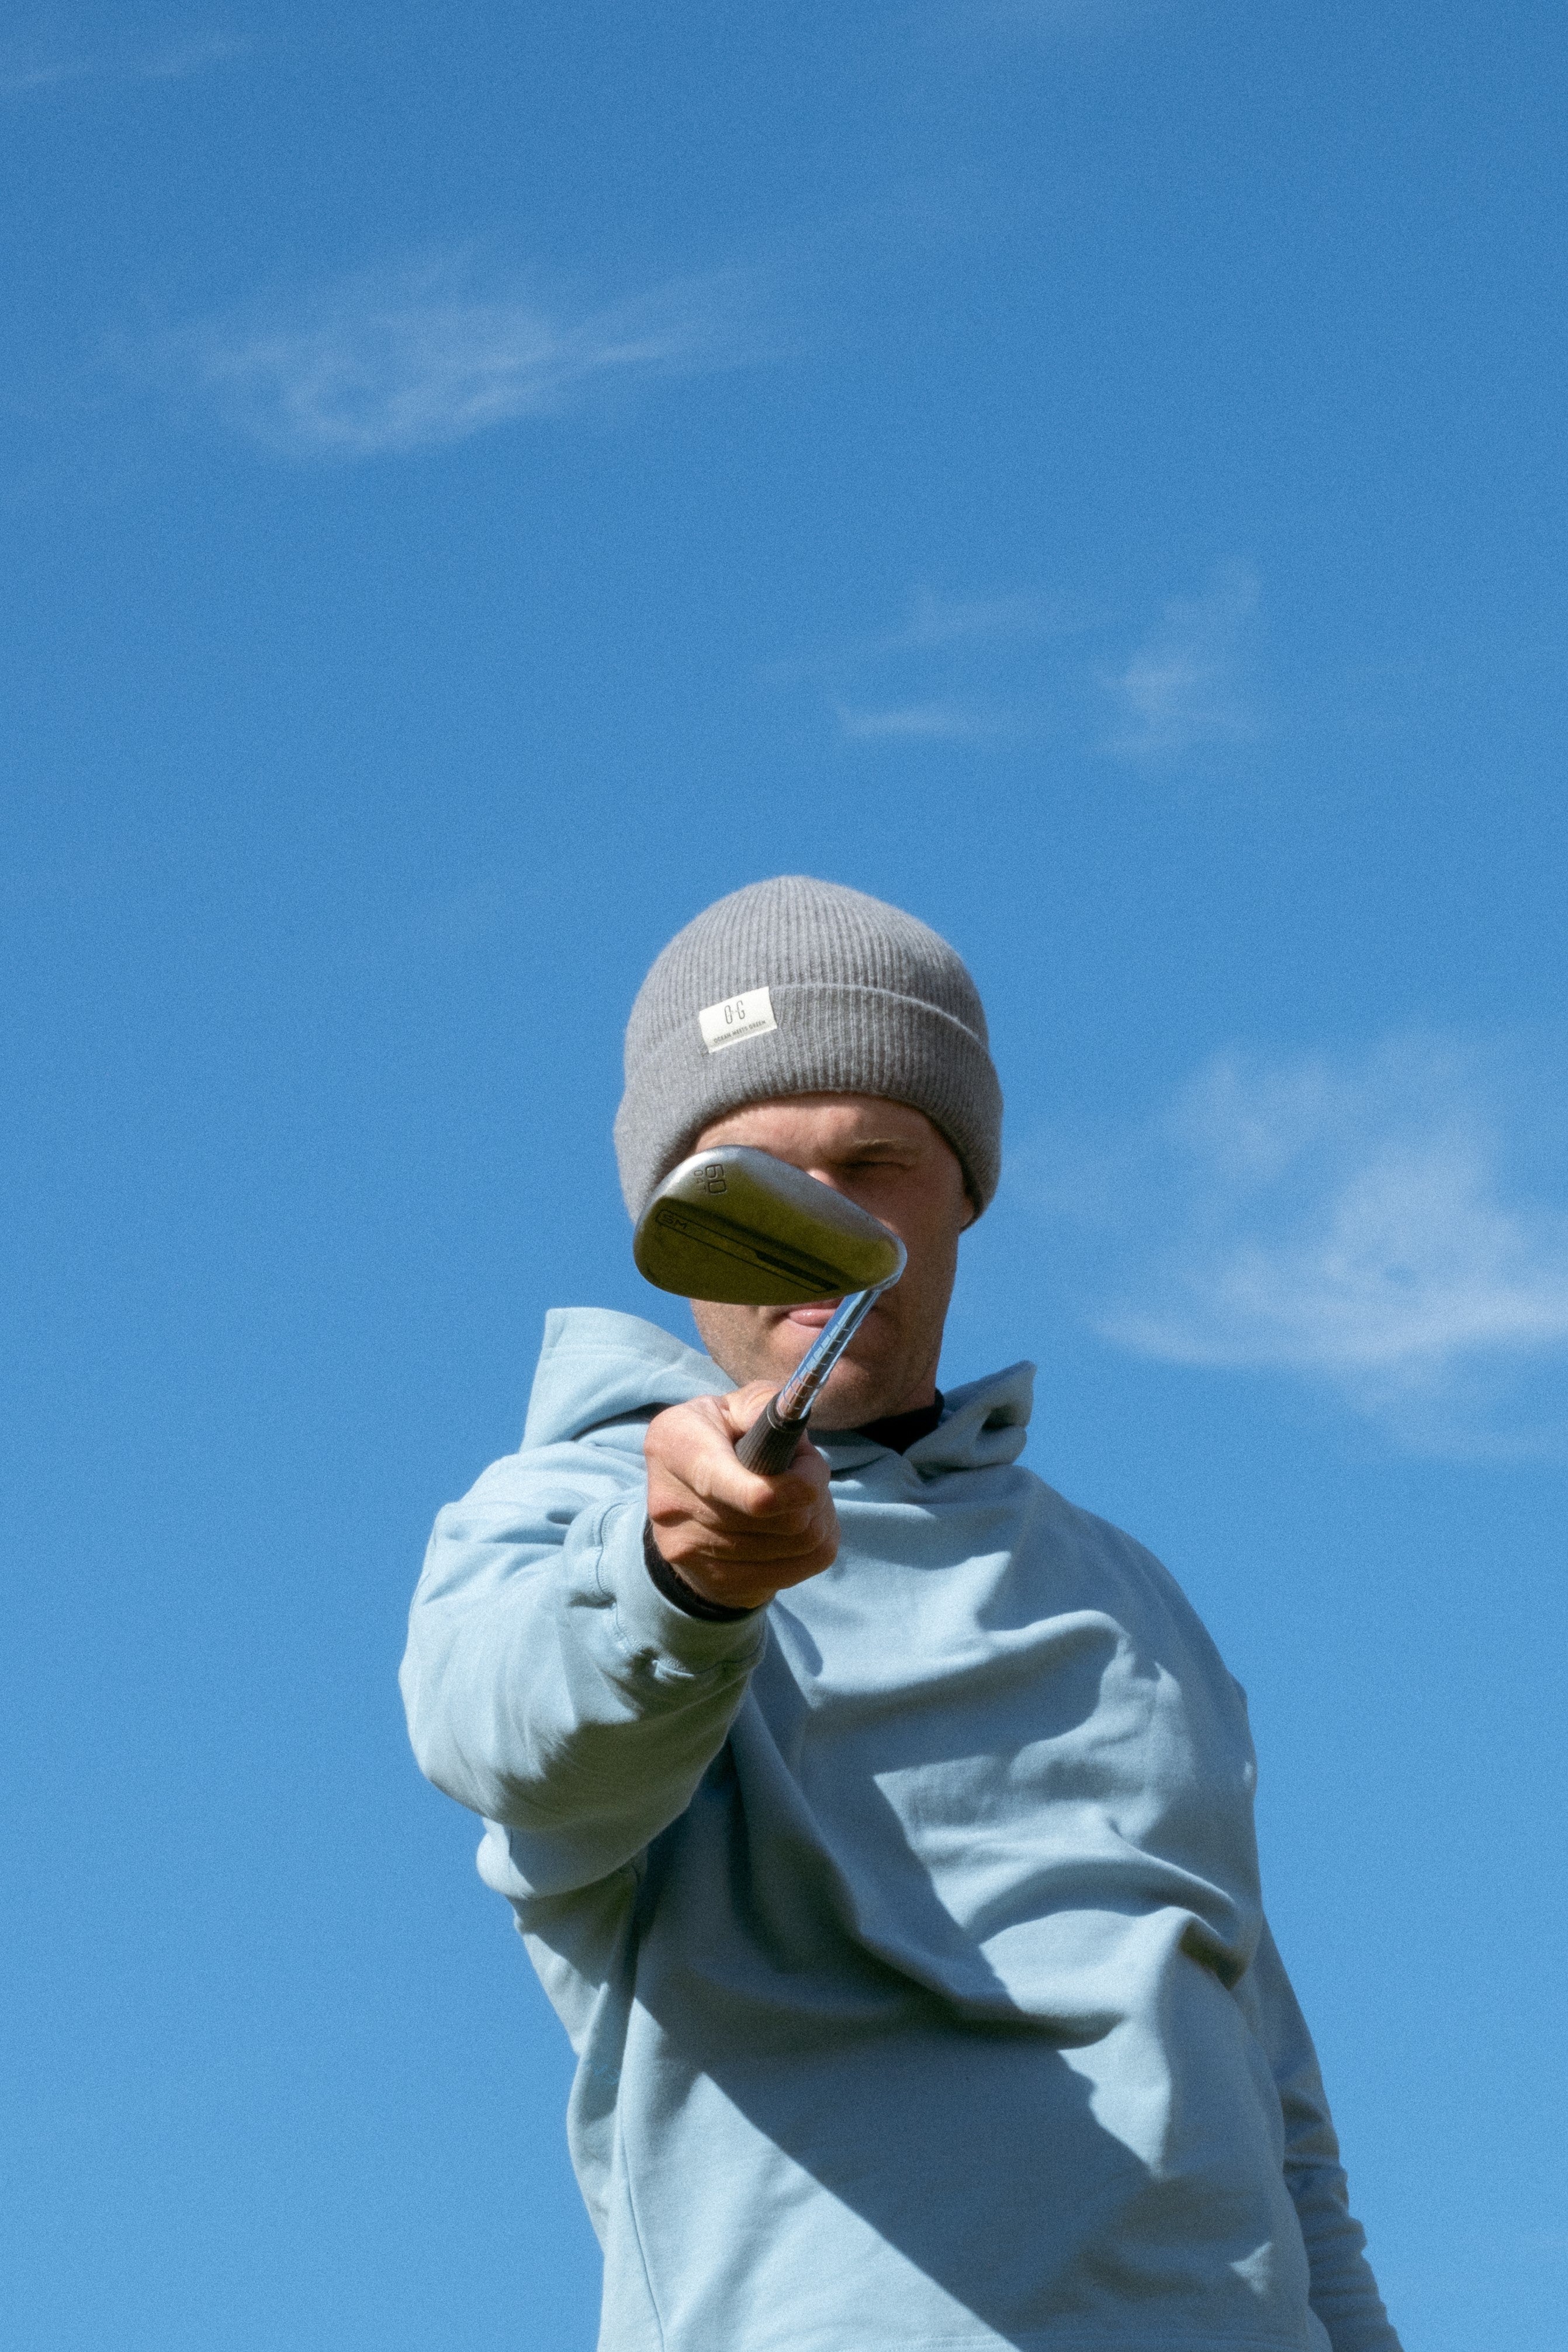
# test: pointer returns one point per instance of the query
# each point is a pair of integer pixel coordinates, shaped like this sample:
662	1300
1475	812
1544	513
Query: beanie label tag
737	1017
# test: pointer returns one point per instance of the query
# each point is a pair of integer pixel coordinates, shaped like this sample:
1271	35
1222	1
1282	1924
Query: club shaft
794	1400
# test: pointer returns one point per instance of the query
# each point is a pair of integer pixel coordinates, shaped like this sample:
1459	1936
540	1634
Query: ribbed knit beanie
797	987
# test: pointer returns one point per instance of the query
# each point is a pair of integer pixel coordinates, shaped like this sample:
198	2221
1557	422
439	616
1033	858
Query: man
881	1831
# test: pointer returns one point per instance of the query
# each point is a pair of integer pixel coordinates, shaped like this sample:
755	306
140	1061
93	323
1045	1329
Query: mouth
815	1317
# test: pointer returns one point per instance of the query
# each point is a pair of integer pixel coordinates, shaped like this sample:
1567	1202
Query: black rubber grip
769	1443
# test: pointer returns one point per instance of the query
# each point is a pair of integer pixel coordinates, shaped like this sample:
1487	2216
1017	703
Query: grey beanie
797	987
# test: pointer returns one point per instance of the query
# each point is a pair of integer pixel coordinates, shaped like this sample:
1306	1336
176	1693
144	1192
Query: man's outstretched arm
548	1684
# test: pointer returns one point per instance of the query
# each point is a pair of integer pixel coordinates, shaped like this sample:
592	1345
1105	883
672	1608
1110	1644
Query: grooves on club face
738	1226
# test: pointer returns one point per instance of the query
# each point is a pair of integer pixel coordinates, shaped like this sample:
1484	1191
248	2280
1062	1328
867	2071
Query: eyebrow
878	1143
901	1143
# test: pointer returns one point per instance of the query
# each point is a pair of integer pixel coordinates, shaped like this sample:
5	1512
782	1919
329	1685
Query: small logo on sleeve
737	1017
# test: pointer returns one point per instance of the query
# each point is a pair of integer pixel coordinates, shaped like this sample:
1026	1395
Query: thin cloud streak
1027	665
1352	1224
946	621
18	80
1185	687
385	364
937	625
184	58
917	721
965	643
1035	19
174	61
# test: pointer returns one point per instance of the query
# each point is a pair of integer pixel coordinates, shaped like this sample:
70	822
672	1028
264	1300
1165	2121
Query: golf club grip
768	1445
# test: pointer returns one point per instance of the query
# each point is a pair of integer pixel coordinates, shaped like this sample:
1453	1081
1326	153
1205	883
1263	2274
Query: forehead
826	1125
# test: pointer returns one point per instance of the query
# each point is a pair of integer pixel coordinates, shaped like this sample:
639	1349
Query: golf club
738	1225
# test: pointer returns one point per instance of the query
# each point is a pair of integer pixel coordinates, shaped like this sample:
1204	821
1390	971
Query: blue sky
480	482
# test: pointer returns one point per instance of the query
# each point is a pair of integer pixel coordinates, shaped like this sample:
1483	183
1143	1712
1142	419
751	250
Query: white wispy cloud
1025	19
178	59
171	60
391	362
17	81
937	625
1355	1222
946	669
1186	686
1019	664
937	620
914	721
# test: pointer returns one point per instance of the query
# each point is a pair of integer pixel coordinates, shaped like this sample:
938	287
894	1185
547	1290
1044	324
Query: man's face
892	1160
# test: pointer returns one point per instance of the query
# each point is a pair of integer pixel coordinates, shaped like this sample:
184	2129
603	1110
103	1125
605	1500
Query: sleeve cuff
678	1592
650	1622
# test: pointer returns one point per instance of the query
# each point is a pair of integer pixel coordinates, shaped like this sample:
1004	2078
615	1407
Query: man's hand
733	1536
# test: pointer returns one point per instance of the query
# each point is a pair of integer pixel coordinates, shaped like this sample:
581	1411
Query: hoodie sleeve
1344	2292
547	1685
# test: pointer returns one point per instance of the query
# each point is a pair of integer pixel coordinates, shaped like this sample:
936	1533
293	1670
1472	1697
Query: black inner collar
900	1430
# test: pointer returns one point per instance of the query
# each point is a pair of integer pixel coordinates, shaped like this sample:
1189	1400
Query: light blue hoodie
908	1933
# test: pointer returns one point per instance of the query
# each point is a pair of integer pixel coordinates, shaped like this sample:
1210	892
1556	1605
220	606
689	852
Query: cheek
927	1284
933	1245
734	1336
716	1321
931	1216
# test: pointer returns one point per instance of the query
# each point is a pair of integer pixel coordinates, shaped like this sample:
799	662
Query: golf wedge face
735	1225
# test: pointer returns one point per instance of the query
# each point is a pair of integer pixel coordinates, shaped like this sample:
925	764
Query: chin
861	1398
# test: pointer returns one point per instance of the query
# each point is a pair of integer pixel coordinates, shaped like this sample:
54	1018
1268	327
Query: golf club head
738	1225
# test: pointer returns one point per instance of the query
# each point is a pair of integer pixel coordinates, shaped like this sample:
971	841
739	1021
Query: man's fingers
721	1481
723	1518
739	1503
741	1408
732	1533
696	1448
